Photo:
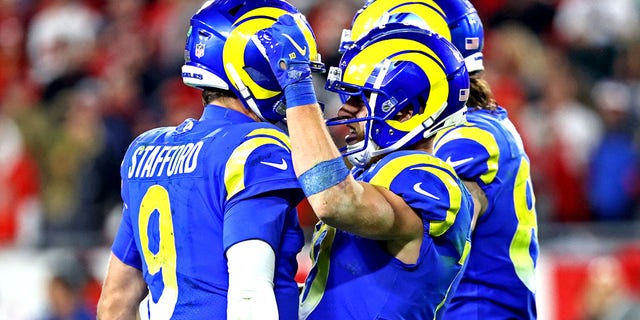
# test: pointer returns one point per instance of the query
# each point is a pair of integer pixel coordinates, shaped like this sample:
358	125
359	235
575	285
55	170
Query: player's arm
361	208
122	291
333	193
253	227
251	267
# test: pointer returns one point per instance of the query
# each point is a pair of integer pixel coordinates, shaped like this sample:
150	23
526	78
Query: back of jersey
179	185
488	150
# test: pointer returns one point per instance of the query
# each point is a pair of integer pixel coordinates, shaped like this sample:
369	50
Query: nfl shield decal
200	50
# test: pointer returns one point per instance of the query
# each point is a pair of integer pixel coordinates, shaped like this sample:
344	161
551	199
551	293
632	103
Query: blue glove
288	54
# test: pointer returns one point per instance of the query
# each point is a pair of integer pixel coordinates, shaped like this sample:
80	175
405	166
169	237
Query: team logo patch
200	50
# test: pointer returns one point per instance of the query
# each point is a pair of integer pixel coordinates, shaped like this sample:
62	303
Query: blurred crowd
80	79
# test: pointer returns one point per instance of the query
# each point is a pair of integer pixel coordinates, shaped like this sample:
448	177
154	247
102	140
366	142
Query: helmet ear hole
204	34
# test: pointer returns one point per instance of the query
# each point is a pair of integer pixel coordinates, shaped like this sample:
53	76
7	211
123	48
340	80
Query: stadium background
79	79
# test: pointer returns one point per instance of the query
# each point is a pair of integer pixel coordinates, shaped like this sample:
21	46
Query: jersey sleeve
124	244
261	217
433	192
261	186
428	185
471	151
261	163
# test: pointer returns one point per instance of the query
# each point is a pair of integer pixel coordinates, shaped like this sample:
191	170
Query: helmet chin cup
360	154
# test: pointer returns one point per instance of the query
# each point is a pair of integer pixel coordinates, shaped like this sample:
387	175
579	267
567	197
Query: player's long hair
481	96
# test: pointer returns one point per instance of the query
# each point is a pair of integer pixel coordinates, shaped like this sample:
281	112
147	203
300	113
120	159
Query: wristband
323	176
300	93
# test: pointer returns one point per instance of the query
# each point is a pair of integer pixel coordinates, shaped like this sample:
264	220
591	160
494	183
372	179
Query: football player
394	232
487	153
209	228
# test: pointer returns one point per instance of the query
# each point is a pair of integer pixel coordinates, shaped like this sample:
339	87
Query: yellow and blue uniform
192	191
357	278
499	282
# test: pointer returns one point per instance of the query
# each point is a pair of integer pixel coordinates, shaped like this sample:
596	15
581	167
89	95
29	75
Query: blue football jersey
192	191
357	278
499	282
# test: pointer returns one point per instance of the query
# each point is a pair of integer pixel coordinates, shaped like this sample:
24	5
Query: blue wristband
323	176
300	93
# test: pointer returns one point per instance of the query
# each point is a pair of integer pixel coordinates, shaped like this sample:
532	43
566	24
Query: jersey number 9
164	260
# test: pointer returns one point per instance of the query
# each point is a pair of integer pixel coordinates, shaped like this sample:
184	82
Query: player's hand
288	53
287	50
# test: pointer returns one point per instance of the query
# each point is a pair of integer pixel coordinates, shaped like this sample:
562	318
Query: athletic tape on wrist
323	176
300	93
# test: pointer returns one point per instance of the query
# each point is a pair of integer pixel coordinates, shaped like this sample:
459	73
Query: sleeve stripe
272	133
484	138
384	177
389	171
438	228
234	168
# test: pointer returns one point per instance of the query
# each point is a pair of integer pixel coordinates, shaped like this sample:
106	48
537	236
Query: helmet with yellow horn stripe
456	20
219	52
396	68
